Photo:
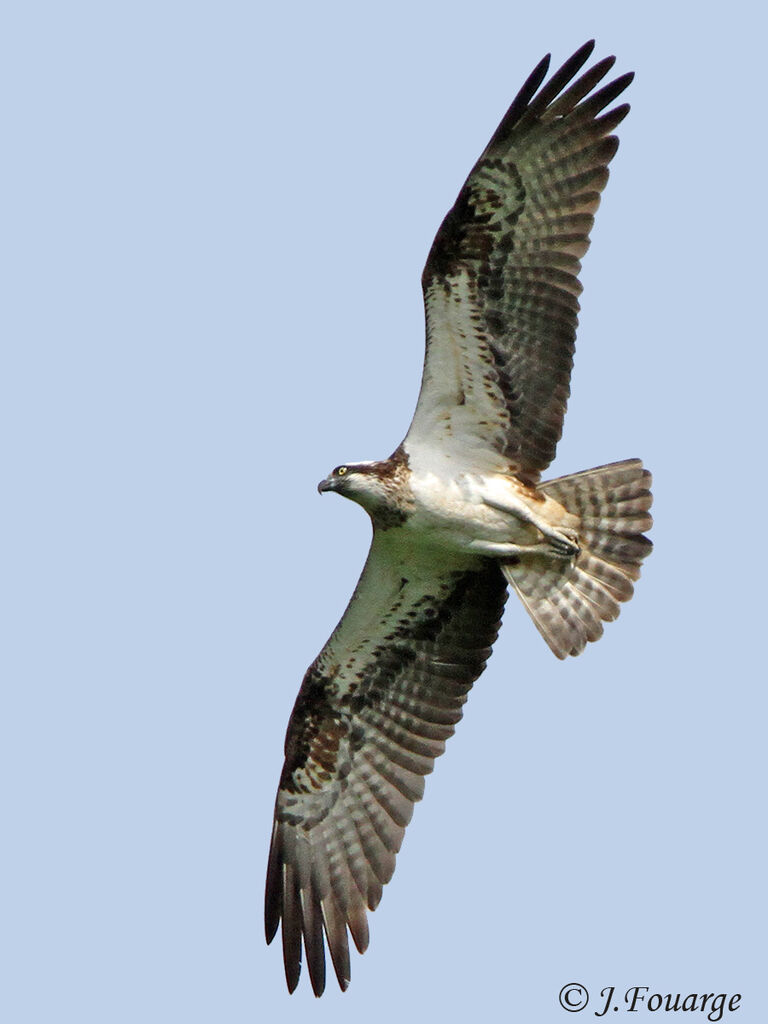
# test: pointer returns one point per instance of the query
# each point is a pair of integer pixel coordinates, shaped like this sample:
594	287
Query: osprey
459	514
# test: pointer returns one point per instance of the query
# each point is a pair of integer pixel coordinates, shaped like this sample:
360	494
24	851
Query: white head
370	484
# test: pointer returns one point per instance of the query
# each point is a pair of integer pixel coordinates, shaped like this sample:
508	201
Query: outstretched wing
373	712
501	280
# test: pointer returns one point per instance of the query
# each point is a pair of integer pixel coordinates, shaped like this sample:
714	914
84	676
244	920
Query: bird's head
363	482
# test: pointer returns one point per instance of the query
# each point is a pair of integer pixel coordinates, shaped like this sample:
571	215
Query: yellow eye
341	471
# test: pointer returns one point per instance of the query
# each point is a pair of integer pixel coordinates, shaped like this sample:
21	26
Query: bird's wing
373	712
501	280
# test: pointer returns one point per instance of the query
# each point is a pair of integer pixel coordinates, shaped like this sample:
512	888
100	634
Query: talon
565	544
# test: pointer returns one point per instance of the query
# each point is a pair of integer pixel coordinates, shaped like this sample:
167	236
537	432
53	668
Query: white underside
482	513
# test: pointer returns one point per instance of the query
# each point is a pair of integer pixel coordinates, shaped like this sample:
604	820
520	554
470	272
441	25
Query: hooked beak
325	485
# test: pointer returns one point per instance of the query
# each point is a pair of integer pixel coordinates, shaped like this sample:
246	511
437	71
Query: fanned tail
569	601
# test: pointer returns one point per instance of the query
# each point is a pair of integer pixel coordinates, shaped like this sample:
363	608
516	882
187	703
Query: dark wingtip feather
358	927
271	922
291	929
338	945
600	99
576	60
317	973
520	103
314	946
613	118
272	892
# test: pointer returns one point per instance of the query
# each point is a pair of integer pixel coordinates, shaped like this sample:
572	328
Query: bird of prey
459	513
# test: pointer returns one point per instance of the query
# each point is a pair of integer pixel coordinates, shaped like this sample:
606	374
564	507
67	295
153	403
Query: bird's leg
560	541
560	547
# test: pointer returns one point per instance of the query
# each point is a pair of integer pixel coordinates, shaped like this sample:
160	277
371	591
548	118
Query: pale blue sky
216	219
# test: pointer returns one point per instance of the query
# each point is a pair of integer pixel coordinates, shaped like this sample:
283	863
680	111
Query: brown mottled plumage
459	513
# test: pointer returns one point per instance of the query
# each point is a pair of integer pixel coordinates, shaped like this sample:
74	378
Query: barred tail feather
569	601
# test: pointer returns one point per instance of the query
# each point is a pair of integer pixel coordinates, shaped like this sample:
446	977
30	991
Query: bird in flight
460	514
